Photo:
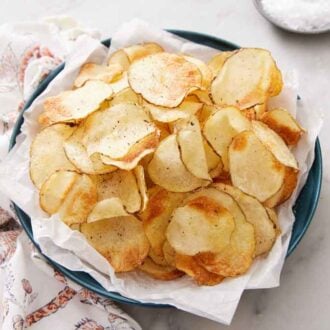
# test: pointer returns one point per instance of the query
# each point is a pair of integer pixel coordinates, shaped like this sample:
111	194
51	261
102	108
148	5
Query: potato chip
120	240
47	154
75	226
217	61
247	78
121	58
167	169
54	190
126	96
273	217
253	168
158	272
121	184
156	216
236	257
256	215
206	72
281	122
72	106
169	253
164	79
77	154
221	127
79	202
201	225
141	183
201	95
275	144
120	84
92	71
214	162
106	209
136	52
192	268
206	112
157	259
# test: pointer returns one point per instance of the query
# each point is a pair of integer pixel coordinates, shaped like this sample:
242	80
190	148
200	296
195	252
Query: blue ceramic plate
304	208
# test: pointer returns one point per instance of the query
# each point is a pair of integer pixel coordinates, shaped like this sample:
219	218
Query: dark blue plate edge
198	38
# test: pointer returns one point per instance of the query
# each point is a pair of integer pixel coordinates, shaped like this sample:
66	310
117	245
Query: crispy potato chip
192	268
75	226
169	253
92	71
206	72
275	144
190	142
256	215
141	183
121	58
201	225
54	190
212	159
163	273
77	154
281	122
114	131
236	257
72	106
121	184
47	154
284	193
157	215
136	52
120	84
273	217
253	168
247	78
167	169
221	127
126	96
164	79
217	61
120	240
107	209
158	259
206	112
201	95
249	113
79	202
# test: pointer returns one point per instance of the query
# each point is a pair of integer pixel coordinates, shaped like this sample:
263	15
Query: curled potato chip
136	52
169	253
237	256
158	259
92	71
54	190
164	79
121	184
79	201
273	217
106	209
256	215
47	154
120	240
192	268
206	112
74	105
206	72
217	61
201	225
220	128
141	183
126	95
167	169
212	159
247	78
275	144
121	58
201	95
163	273
77	154
253	168
281	122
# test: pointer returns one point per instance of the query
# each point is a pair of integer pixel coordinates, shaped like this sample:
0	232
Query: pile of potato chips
167	164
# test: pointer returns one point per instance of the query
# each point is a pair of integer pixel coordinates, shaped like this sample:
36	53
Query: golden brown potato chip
92	71
126	96
256	215
206	72
163	273
121	184
164	79
249	113
121	58
79	202
192	268
158	259
206	112
54	190
120	84
167	169
273	217
247	78
141	183
77	154
214	162
75	226
136	52
217	61
253	168
201	95
221	127
47	154
169	253
275	144
201	225
120	240
107	209
72	106
157	215
281	122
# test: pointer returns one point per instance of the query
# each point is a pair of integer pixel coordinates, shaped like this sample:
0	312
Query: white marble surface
303	299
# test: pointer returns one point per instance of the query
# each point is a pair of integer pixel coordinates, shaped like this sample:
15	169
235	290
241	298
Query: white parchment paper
70	249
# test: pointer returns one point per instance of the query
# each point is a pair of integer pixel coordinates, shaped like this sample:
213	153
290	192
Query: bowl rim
200	38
